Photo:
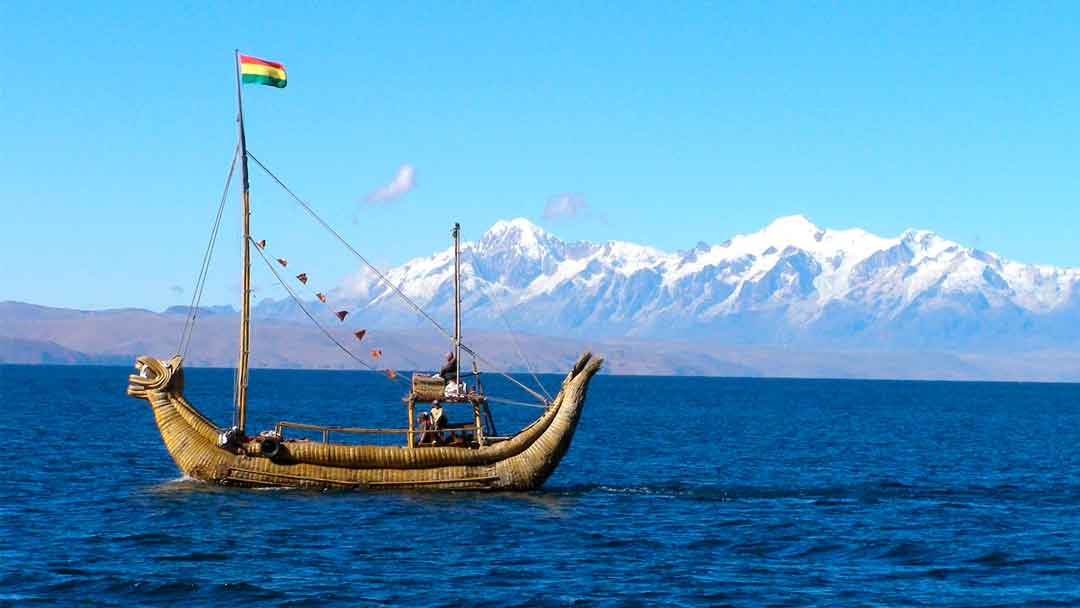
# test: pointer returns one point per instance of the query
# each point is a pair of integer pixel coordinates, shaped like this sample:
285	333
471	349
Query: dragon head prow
154	375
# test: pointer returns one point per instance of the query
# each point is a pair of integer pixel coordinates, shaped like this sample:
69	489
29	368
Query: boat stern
529	469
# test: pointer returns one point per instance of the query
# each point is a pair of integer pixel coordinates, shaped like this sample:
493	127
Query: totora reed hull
522	462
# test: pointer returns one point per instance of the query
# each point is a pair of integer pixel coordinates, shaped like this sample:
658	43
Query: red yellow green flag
261	71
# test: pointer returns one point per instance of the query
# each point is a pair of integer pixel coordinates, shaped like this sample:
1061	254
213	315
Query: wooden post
479	411
412	421
479	432
245	302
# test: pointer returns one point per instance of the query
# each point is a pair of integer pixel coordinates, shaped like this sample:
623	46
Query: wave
959	496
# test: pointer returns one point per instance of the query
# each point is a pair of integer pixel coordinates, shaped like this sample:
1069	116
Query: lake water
676	491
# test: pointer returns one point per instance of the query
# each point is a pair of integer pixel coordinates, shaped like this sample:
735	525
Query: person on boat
432	422
423	422
449	371
438	416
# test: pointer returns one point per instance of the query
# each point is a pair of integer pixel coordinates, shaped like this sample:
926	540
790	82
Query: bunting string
389	373
321	297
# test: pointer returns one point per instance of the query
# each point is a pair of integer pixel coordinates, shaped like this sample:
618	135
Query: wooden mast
477	427
245	303
457	302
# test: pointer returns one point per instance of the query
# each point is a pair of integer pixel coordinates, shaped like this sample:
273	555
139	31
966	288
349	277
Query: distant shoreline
556	375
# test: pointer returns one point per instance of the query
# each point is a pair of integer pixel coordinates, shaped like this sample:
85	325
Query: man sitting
438	416
449	371
423	423
432	421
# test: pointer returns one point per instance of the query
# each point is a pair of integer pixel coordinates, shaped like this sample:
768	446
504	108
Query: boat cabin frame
481	428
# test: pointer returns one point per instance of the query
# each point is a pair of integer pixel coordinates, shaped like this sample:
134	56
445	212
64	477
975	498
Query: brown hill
31	334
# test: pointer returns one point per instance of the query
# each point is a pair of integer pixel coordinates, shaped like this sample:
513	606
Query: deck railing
326	430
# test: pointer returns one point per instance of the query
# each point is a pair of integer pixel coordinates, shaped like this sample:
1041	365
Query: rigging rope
513	335
491	365
512	402
342	240
200	283
383	278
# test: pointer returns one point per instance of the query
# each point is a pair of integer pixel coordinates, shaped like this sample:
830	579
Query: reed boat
433	453
521	462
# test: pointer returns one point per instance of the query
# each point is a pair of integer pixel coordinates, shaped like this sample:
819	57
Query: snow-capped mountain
789	283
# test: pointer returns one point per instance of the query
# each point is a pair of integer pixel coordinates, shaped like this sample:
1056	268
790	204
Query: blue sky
676	125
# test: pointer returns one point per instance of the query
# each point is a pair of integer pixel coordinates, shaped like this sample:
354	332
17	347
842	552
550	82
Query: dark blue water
677	491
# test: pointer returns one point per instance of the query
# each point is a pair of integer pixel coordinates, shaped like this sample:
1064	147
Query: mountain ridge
790	283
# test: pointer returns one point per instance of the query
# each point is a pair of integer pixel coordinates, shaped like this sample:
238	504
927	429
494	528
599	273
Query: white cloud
567	205
402	183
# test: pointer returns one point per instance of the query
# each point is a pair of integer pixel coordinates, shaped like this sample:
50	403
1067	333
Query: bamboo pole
245	302
412	422
478	435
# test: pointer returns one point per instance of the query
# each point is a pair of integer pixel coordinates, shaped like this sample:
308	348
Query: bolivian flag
261	71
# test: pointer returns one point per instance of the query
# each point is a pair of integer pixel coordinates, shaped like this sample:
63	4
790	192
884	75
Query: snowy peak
519	225
515	252
790	231
518	235
791	227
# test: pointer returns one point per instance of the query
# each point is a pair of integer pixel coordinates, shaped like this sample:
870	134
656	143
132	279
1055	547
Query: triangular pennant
341	314
303	277
360	334
391	374
322	297
261	244
376	353
283	261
